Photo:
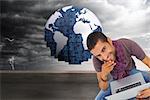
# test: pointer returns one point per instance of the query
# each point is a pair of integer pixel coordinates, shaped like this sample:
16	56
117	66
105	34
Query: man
113	58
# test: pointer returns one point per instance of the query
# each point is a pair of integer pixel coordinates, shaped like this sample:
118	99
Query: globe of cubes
66	31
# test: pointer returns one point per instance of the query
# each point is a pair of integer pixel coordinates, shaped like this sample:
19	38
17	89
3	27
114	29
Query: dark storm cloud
17	7
16	18
27	13
22	29
21	16
47	7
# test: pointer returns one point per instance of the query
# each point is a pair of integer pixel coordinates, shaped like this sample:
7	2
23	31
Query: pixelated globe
66	32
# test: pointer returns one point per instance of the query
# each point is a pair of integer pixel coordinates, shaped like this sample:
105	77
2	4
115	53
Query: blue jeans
102	94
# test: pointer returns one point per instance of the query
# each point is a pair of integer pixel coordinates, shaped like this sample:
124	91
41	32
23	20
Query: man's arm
101	82
102	76
146	92
146	61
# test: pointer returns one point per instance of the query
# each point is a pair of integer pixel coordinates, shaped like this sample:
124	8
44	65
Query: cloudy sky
22	24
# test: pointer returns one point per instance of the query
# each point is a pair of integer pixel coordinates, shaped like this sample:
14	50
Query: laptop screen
127	83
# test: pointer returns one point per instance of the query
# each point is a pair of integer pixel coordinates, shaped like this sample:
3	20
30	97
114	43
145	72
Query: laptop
127	87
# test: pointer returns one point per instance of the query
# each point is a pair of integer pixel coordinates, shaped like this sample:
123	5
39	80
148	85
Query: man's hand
107	67
144	94
146	61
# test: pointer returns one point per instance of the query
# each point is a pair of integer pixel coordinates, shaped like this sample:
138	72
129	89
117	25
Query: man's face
104	51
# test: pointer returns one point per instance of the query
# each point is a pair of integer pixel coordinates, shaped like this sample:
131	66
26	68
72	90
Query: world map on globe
66	32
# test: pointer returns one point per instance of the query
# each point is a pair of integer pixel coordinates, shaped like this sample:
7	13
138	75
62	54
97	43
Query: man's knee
102	94
146	75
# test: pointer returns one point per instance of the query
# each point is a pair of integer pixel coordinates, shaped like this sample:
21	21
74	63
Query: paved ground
48	86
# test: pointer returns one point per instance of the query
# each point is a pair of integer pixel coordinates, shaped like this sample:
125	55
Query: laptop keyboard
128	87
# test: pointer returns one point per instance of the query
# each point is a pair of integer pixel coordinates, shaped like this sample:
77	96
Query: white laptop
127	87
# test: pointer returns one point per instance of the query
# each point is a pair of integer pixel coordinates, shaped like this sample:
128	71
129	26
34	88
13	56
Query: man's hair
93	38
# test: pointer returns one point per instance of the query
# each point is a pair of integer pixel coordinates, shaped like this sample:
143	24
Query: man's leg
102	94
146	74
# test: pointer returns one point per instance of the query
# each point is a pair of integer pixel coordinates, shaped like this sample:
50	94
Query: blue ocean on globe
66	32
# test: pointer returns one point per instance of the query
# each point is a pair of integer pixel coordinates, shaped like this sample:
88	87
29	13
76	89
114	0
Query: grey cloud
118	20
147	2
